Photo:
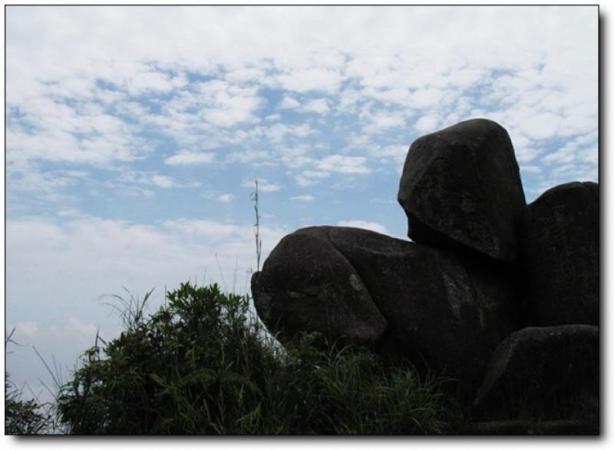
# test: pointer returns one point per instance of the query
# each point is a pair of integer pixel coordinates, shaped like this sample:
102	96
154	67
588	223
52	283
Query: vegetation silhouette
202	364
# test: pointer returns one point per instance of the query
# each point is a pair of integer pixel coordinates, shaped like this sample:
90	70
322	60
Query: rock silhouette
560	255
483	266
542	373
461	187
306	284
427	304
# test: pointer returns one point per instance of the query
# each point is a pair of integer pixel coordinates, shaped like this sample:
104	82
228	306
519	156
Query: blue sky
134	135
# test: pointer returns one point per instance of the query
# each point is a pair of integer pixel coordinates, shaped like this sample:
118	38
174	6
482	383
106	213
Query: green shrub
23	416
200	365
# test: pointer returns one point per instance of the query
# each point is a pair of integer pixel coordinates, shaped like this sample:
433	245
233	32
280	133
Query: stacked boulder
560	250
501	296
461	188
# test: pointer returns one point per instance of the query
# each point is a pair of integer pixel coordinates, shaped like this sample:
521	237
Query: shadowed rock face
461	187
560	255
549	373
445	310
306	284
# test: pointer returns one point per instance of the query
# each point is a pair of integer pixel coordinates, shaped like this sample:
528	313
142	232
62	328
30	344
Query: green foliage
23	416
200	365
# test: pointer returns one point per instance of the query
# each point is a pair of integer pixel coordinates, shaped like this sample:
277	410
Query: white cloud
263	185
101	255
26	329
527	153
395	154
227	105
530	169
525	81
343	164
185	158
318	170
582	149
76	262
303	198
209	228
54	130
305	80
162	181
426	98
542	125
225	198
137	179
318	106
154	82
250	156
383	120
24	176
564	155
86	329
280	131
245	75
591	156
373	226
309	177
427	124
289	102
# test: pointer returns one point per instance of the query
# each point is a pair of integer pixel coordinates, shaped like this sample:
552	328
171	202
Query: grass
24	417
202	364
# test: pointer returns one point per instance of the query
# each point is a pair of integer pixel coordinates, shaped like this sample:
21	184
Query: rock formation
560	255
307	284
483	266
543	372
461	187
360	287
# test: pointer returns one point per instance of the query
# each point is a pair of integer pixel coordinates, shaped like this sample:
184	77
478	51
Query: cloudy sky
134	135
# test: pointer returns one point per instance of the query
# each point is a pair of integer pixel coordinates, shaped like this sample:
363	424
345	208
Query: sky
134	136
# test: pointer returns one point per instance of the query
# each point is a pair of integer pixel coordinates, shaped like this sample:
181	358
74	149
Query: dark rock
543	374
560	255
441	310
461	187
306	284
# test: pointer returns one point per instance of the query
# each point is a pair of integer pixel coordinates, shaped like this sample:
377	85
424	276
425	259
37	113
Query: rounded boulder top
560	255
461	188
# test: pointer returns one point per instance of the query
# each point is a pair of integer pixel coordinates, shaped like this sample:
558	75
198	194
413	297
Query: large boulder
461	187
443	311
560	255
543	374
306	284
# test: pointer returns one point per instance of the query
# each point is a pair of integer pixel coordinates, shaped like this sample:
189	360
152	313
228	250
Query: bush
200	365
23	416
